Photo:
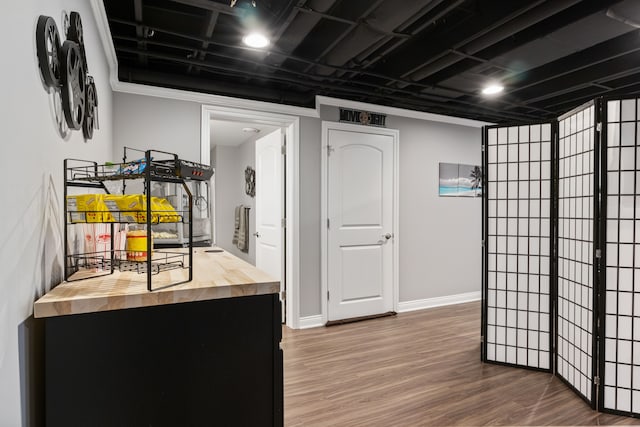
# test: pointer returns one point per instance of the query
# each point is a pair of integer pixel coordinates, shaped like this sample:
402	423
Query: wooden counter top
215	275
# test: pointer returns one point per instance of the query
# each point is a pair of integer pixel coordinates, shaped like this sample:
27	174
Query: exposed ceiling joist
137	7
429	55
210	6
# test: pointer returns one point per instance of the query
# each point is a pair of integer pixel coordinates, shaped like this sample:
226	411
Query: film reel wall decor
595	255
64	71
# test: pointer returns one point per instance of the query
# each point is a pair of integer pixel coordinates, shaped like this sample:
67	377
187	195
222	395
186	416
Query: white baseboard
421	304
405	306
310	322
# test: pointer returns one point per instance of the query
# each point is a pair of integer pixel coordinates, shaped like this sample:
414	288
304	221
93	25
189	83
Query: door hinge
596	380
327	222
283	149
327	295
284	222
599	127
598	253
283	295
330	149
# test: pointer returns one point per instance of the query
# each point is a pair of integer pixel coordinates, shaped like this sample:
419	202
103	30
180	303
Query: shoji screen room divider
561	250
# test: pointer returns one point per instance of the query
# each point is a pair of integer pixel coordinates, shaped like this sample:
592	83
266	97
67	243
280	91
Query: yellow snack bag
126	208
88	208
133	208
164	210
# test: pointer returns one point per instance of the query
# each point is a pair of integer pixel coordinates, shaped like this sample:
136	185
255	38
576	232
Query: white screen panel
621	343
518	241
575	249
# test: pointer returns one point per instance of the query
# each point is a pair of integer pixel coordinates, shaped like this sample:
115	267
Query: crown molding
102	23
213	100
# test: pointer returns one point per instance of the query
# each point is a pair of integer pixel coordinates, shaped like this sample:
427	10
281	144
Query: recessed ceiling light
256	40
251	130
492	89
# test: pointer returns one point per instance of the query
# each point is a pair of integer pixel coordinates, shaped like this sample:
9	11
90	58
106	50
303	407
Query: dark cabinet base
209	363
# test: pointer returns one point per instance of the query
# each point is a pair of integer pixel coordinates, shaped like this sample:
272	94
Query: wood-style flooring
418	369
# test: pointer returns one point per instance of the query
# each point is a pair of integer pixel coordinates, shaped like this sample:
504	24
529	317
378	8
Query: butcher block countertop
216	275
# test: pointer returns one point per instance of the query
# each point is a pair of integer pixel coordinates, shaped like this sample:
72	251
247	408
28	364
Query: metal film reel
65	22
75	33
74	85
48	50
96	117
89	122
61	122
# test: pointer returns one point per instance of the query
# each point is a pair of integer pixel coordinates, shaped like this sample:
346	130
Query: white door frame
292	208
324	232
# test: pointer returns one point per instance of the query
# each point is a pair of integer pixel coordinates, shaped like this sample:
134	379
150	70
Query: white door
269	203
360	212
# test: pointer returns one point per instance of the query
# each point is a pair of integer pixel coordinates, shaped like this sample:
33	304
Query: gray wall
310	141
230	163
439	237
247	157
31	165
146	122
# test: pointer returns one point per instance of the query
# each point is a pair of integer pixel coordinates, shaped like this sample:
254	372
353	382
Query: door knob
387	236
256	234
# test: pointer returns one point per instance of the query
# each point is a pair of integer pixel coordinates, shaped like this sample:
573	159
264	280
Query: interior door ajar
360	212
269	204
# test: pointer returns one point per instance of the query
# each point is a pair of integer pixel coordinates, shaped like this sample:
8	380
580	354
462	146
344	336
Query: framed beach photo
460	180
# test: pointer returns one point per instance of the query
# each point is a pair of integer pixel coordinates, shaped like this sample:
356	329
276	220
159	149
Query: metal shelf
155	166
120	217
161	261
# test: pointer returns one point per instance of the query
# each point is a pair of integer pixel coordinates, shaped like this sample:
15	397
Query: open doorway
240	144
233	155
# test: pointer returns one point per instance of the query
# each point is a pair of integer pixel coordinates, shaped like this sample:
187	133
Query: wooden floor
418	369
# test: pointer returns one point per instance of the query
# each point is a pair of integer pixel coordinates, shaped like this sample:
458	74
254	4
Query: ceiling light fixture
492	89
233	3
251	130
256	40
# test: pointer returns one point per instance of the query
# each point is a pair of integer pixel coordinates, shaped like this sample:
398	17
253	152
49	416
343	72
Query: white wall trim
308	322
324	215
324	207
393	111
396	218
292	125
421	304
213	100
316	321
102	23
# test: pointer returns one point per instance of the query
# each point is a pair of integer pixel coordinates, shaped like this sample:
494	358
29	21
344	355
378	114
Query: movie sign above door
366	118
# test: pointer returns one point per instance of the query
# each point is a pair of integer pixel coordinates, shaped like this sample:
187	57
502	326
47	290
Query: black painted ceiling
426	55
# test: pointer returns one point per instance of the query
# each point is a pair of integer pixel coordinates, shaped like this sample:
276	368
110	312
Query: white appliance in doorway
176	234
360	210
